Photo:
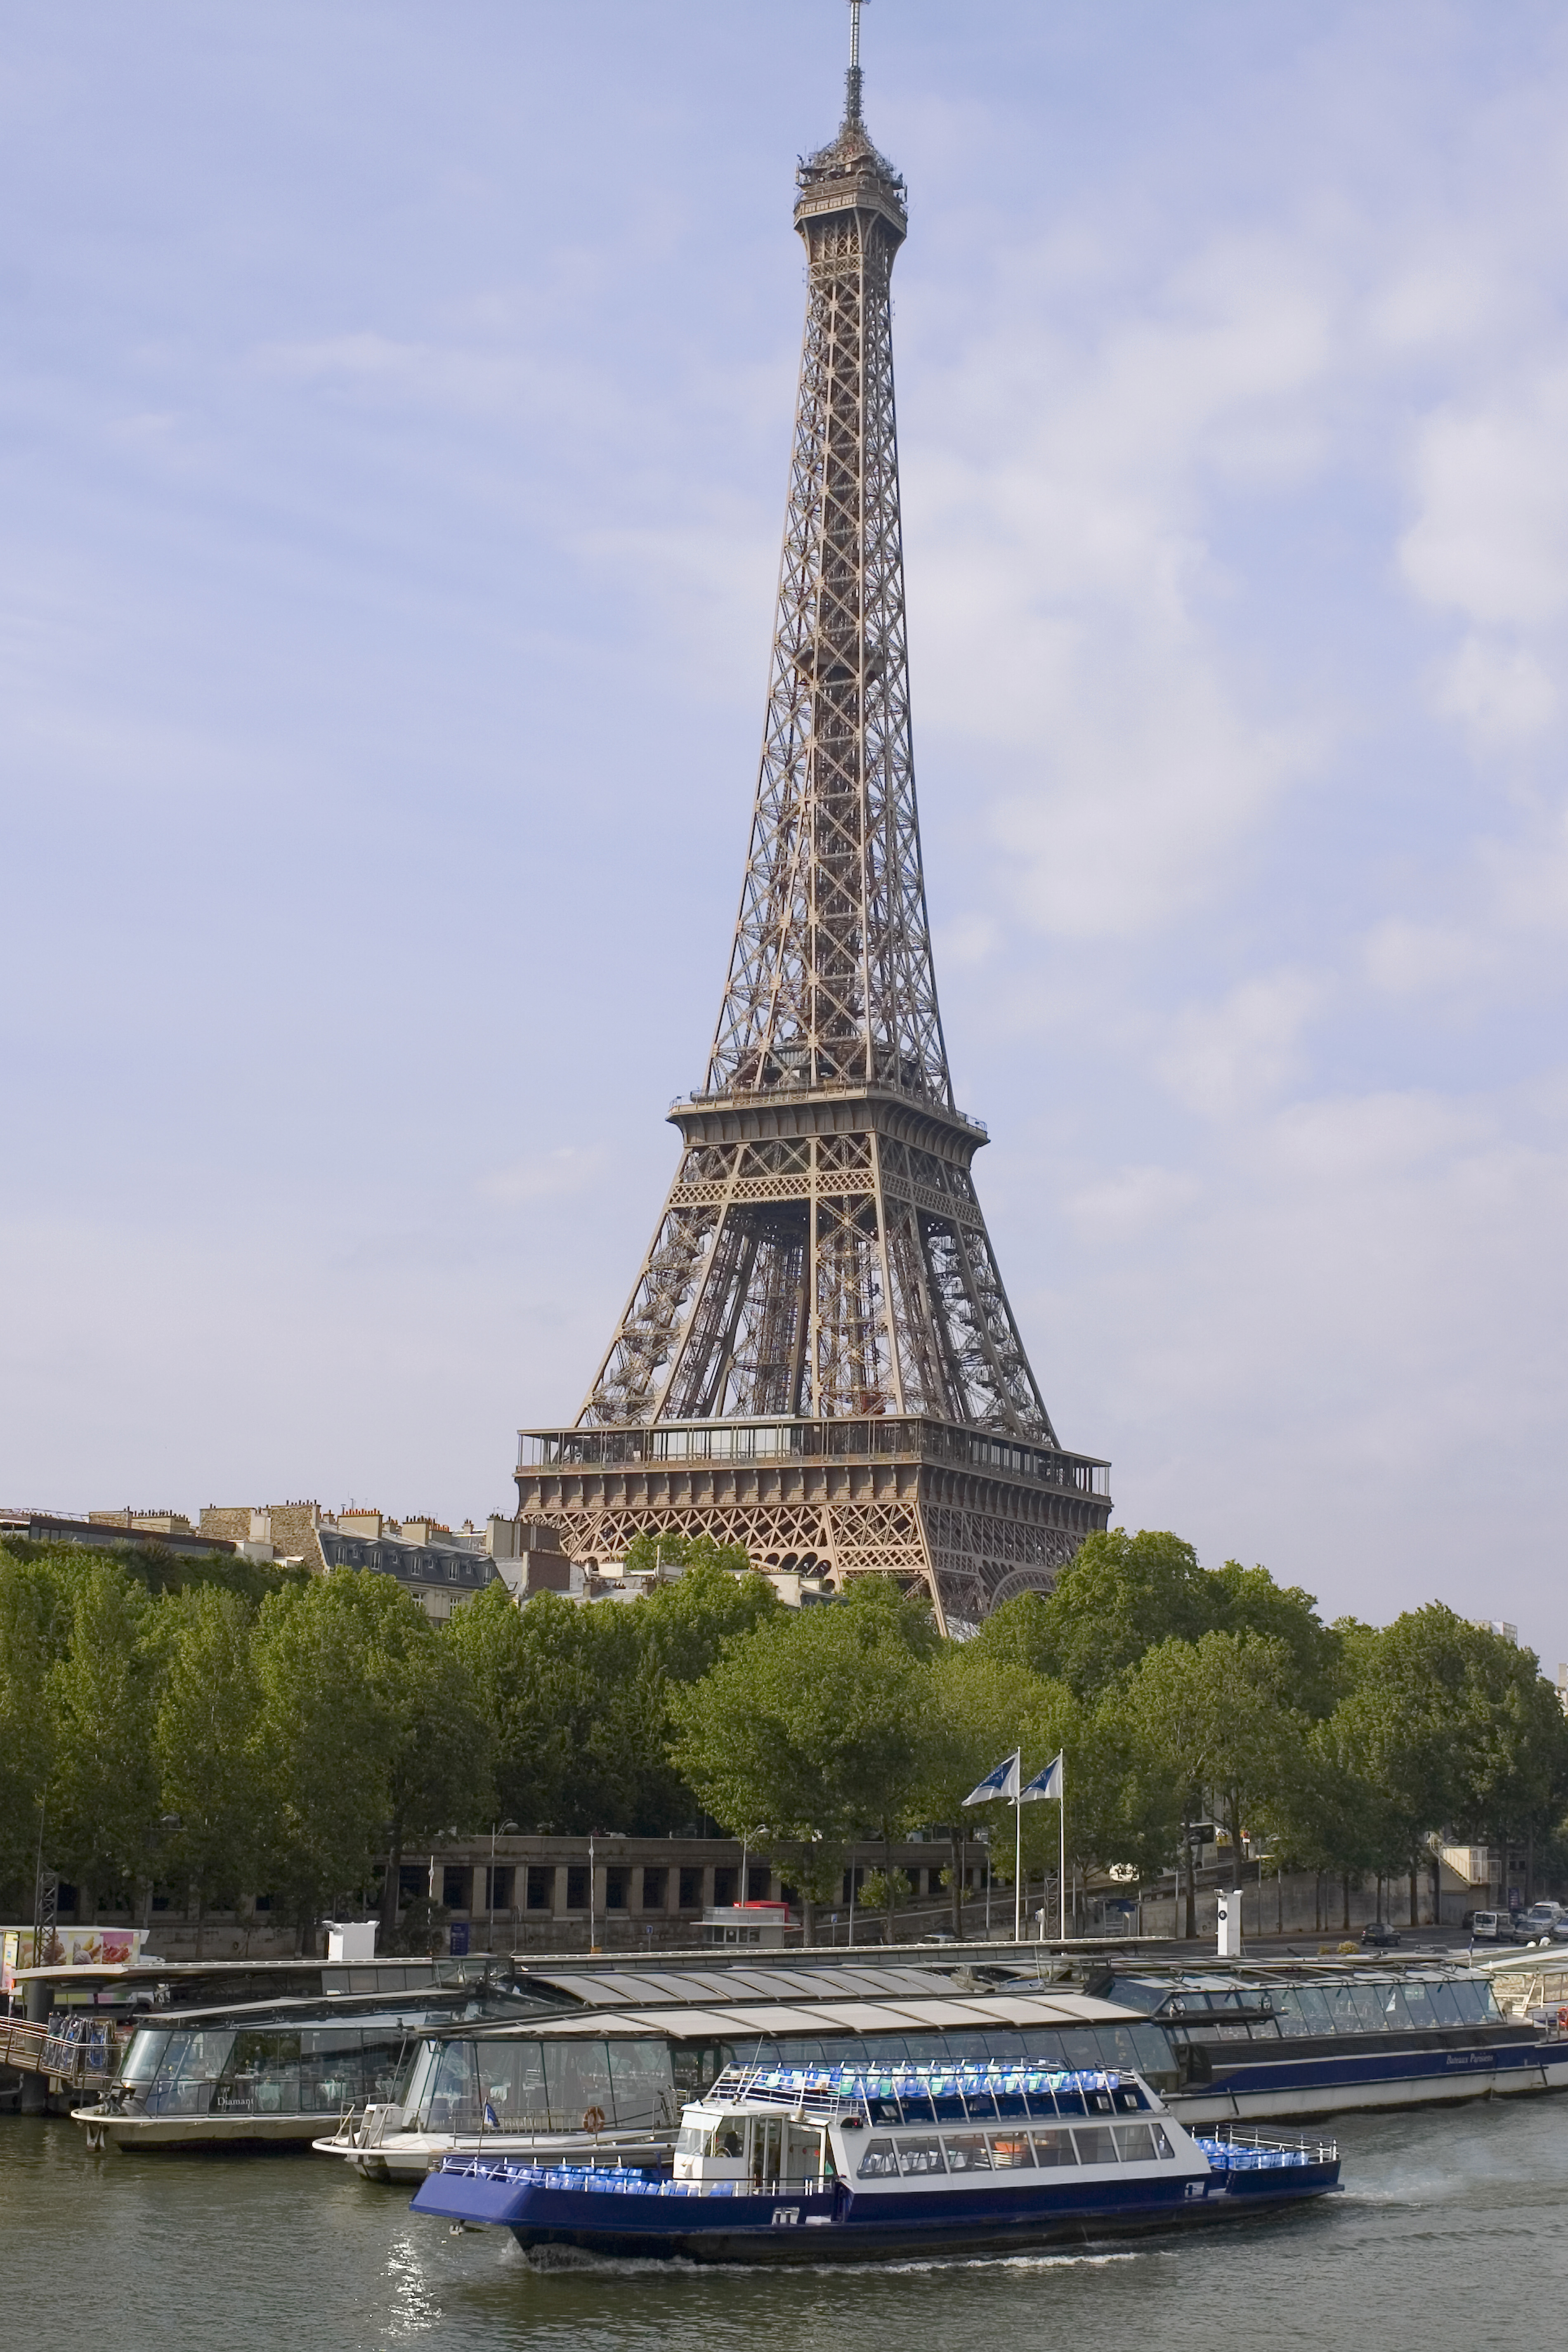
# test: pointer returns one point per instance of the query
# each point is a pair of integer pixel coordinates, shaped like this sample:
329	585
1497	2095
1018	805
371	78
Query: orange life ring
1563	2020
593	2121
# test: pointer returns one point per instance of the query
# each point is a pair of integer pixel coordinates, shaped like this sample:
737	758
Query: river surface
1450	2232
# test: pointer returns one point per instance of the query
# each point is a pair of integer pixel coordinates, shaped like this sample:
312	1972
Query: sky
395	405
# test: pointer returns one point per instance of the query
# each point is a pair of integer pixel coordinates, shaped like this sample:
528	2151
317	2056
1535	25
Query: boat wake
577	2261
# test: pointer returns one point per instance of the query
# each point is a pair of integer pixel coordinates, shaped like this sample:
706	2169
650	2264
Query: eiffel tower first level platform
818	1358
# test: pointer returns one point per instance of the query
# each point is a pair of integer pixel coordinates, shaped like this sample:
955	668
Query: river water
1449	2233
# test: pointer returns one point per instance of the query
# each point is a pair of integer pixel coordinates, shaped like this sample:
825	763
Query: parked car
1540	1918
1381	1933
1495	1927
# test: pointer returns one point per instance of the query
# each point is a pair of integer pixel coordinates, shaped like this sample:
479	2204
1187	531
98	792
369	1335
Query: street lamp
505	1830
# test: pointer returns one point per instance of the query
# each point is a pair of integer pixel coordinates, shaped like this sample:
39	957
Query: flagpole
1062	1861
1018	1856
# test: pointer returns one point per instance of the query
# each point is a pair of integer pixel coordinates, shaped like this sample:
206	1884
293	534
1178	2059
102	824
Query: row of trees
1174	1691
295	1735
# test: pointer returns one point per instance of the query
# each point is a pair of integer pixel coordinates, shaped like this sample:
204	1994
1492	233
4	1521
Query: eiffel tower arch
818	1357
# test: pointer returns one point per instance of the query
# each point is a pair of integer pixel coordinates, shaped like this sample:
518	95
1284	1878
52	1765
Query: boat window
688	2140
1128	2098
1010	2151
1133	1992
1096	2143
1082	2051
967	2152
1445	2008
1046	2044
1417	2004
1134	2143
1054	2148
141	2061
919	2049
920	2155
643	2084
878	2160
1134	2049
1361	2012
417	2087
1162	2148
1316	2010
189	2073
577	2085
972	2049
1390	2001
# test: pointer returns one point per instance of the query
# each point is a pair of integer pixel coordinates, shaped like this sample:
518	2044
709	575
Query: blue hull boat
798	2165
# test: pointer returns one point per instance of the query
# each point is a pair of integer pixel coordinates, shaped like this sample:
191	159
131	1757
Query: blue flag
1048	1783
1003	1782
491	2121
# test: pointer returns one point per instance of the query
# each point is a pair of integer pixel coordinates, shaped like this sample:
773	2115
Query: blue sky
396	412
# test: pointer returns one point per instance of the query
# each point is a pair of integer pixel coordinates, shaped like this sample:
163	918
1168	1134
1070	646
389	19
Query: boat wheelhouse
805	2164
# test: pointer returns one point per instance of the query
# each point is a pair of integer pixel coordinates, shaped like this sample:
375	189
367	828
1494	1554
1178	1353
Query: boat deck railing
1238	2148
825	2092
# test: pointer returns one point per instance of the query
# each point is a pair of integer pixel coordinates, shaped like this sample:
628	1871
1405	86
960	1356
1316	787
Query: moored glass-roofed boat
780	2165
272	2071
1273	2040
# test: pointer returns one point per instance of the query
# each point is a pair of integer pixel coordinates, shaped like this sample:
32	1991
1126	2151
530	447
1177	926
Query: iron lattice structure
821	1260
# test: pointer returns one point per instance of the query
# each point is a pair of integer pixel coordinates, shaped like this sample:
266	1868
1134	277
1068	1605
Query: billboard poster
69	1947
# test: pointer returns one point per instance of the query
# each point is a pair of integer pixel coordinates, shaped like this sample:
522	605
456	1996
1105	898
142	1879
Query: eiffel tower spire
821	1286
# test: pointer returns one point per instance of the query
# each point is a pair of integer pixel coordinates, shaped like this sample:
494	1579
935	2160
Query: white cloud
1224	1056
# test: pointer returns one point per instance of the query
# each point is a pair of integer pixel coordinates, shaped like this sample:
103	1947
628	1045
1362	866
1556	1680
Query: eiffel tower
818	1358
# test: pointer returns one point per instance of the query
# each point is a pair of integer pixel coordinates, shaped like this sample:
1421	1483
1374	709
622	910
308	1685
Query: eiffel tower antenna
818	1358
852	78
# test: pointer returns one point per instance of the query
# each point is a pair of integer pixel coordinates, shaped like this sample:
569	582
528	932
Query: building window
617	1887
724	1886
691	1890
541	1886
457	1885
758	1882
577	1887
652	1884
452	1571
498	1890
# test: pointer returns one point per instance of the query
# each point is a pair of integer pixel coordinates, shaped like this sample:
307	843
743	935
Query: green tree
812	1726
205	1741
1118	1596
34	1619
328	1736
1248	1600
1215	1715
103	1802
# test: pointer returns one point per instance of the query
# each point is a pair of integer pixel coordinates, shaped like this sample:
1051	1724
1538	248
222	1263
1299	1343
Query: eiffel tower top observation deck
821	1288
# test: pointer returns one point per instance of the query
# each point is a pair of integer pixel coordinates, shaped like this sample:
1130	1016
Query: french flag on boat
1003	1782
1048	1783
